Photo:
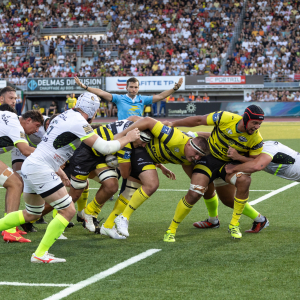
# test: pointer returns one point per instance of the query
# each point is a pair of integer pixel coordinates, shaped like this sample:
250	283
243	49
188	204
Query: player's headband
145	137
197	148
250	115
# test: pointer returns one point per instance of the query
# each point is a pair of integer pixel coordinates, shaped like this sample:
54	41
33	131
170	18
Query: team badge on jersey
22	135
176	149
127	155
229	131
87	129
166	129
242	139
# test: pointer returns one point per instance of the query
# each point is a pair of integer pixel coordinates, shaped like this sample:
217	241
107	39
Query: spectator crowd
272	96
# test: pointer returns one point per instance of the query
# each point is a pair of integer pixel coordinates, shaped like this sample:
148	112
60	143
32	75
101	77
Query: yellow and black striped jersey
225	134
168	145
123	155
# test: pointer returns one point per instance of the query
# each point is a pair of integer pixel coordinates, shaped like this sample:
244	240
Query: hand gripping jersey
108	131
168	145
64	135
285	161
225	134
11	131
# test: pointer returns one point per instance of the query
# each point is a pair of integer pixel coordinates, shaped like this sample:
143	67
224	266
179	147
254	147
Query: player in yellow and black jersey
169	145
89	163
230	130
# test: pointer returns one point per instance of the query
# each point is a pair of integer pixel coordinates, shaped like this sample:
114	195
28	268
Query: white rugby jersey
64	135
285	161
35	138
11	131
119	126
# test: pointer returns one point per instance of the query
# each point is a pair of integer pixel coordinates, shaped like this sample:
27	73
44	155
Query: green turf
200	265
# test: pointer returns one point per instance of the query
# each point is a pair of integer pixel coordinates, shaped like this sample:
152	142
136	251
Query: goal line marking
260	199
80	285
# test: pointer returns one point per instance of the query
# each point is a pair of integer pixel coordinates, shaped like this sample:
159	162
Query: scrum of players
54	158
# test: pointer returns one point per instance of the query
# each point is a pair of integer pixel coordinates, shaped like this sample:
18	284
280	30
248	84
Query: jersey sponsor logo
260	145
229	131
127	155
87	129
5	119
63	116
242	139
176	149
140	159
216	117
166	129
22	135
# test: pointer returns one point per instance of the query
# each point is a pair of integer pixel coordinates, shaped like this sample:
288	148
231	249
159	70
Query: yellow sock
212	205
182	210
82	201
12	219
138	198
54	213
11	230
250	212
119	207
238	208
55	228
93	208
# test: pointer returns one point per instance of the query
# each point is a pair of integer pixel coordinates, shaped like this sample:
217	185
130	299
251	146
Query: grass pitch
201	264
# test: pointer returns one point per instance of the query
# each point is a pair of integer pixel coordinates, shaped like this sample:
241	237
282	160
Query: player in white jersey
12	134
276	159
43	176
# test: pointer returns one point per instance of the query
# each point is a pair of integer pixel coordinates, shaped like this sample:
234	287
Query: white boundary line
80	285
34	284
260	199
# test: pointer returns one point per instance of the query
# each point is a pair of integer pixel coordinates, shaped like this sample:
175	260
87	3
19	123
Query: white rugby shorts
39	179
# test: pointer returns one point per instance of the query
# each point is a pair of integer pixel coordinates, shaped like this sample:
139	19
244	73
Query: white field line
34	284
80	285
260	199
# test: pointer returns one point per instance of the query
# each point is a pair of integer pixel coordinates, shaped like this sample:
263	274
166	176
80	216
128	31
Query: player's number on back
49	129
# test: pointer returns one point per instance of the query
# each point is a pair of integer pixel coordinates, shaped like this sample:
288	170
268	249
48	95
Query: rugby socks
82	201
182	210
119	207
93	208
138	198
55	228
11	220
238	208
212	207
250	212
10	230
54	213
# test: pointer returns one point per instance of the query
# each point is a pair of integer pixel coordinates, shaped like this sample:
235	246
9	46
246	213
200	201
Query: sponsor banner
271	109
187	109
147	83
224	82
60	84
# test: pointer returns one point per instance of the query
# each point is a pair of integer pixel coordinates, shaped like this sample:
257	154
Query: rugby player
12	133
88	163
8	96
43	178
169	145
241	133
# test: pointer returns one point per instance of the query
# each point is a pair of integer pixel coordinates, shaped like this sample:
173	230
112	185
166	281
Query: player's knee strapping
78	184
34	209
62	203
5	175
107	174
198	189
130	188
236	176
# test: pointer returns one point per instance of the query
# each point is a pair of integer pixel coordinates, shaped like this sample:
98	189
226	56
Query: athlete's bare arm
188	122
167	93
168	173
108	147
25	149
134	118
142	124
104	95
204	134
255	165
